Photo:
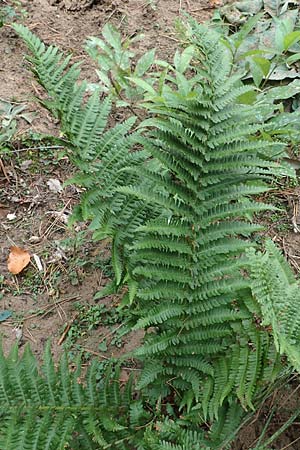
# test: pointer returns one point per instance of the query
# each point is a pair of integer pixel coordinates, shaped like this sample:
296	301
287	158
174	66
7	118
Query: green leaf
110	288
263	63
245	30
182	61
273	6
292	59
144	63
254	52
102	346
259	68
183	84
112	36
5	315
282	72
117	264
92	44
281	92
132	289
291	39
283	29
248	98
103	78
143	84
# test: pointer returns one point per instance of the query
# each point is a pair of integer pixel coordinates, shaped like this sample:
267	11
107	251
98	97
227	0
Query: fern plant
96	150
205	347
180	211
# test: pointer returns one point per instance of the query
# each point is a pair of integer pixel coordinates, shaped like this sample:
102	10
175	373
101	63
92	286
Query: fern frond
277	293
44	411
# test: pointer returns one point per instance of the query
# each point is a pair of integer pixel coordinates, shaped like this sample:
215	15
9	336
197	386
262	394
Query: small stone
11	216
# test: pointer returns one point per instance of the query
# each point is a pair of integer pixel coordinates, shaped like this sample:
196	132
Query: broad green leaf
161	81
282	92
248	98
112	36
256	72
237	12
164	64
176	59
102	347
273	6
282	72
253	53
245	30
185	59
144	63
291	39
279	39
103	78
228	43
292	59
109	289
92	44
142	84
263	63
132	289
283	28
290	16
122	104
183	84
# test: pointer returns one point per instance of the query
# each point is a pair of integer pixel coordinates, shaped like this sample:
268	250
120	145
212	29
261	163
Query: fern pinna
180	212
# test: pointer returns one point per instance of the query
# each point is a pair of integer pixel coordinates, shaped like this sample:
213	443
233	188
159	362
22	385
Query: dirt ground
44	303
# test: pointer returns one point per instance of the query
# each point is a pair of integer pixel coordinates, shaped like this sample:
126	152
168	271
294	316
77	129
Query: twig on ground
2	167
89	350
67	329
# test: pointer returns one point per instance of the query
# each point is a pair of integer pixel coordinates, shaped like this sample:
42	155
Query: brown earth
43	302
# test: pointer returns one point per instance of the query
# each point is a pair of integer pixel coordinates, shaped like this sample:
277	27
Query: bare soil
43	302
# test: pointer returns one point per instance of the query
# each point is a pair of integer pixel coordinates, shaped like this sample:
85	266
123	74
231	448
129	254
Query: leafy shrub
115	60
266	46
176	197
9	115
9	13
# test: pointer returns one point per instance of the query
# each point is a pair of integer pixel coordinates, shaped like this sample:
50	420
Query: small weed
118	71
101	370
82	254
10	13
91	317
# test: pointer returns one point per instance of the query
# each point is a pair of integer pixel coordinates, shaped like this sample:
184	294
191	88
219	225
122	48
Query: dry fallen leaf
216	3
18	259
54	185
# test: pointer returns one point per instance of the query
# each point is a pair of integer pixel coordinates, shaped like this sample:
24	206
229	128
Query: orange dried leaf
18	259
